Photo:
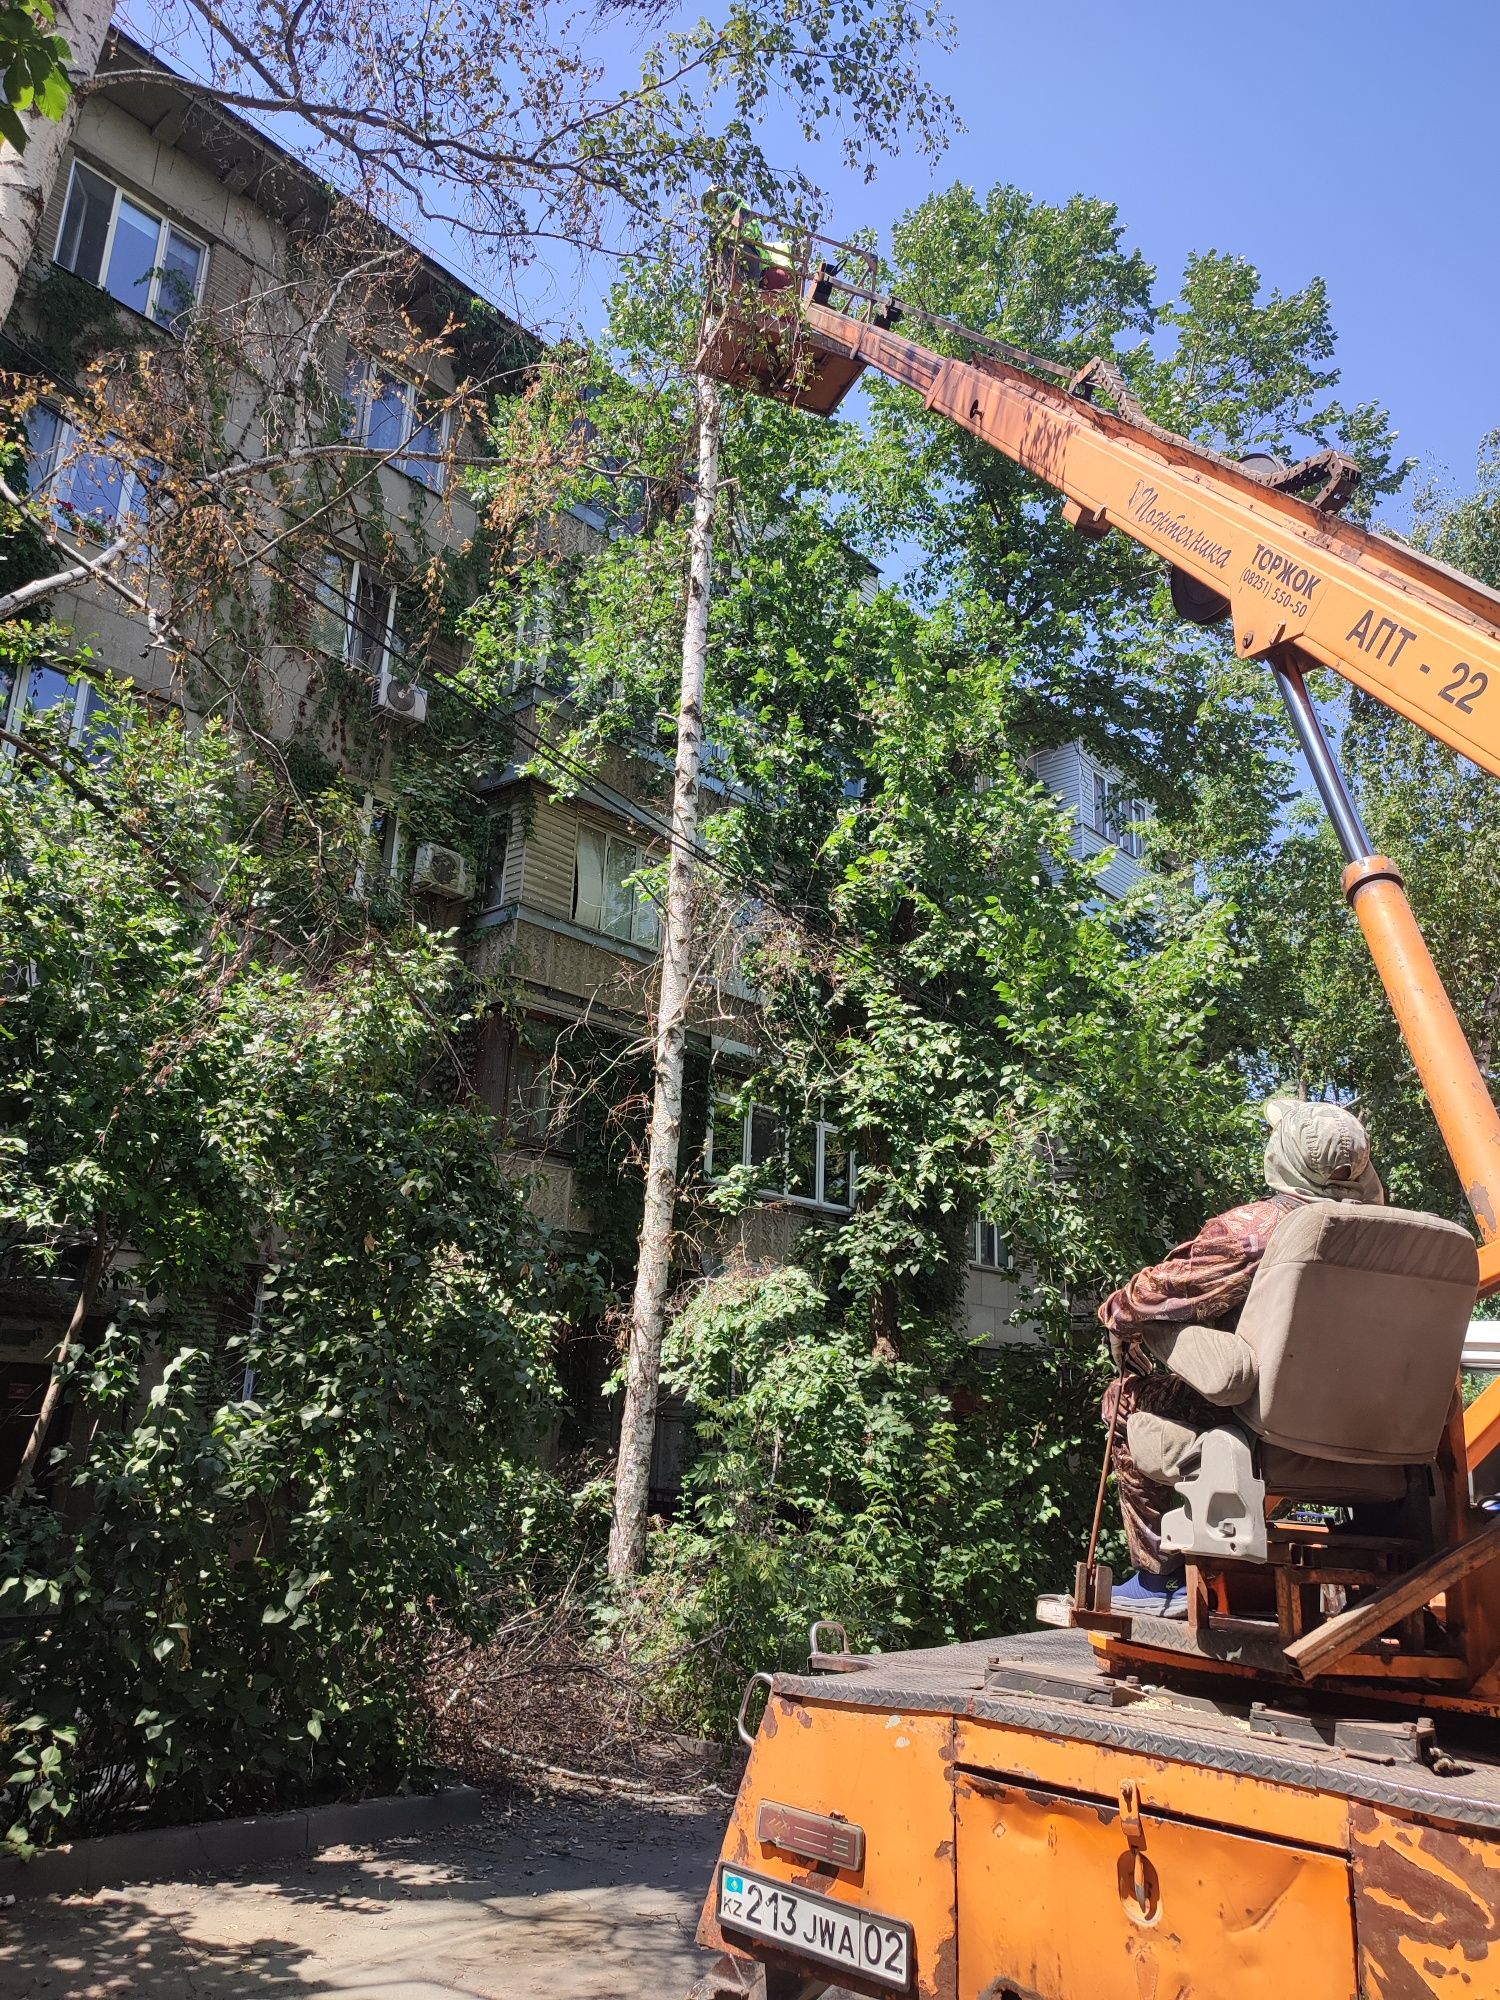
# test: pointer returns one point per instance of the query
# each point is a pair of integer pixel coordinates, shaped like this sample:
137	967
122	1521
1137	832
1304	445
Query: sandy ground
558	1899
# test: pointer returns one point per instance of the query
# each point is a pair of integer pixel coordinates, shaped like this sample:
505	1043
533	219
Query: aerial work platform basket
753	334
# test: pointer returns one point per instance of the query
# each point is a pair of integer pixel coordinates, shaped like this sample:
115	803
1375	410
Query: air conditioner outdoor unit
440	871
402	700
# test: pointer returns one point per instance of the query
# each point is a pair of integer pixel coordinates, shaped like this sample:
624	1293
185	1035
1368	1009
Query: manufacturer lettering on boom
1175	527
1286	570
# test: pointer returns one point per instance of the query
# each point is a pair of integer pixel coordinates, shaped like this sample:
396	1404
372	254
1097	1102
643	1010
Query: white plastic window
1111	813
382	846
991	1250
810	1162
606	897
390	413
49	690
372	635
89	493
135	255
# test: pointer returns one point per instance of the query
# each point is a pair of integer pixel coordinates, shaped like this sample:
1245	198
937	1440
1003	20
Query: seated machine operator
1315	1152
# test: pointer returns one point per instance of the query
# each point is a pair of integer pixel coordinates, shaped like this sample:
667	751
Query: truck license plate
879	1948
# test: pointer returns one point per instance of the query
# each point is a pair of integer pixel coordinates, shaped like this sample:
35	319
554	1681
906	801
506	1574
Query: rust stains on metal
1478	1197
945	1966
1426	1909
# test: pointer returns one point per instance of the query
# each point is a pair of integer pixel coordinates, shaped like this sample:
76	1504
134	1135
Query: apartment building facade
170	219
167	210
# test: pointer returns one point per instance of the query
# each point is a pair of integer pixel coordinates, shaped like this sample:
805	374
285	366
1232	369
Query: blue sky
1349	139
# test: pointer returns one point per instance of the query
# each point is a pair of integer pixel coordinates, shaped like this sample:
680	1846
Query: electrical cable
318	591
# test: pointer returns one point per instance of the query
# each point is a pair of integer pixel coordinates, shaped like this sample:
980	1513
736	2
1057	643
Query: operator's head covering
1320	1151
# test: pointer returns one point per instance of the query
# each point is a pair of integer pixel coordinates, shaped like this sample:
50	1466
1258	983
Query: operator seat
1342	1373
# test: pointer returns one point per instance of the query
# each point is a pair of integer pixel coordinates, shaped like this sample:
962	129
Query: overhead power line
318	590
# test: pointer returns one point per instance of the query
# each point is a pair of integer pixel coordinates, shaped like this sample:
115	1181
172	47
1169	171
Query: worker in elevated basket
1315	1152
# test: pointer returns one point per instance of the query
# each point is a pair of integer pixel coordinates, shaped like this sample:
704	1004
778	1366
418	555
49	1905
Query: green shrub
919	1500
227	1583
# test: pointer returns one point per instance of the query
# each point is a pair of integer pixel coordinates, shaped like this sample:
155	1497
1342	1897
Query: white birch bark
627	1538
27	179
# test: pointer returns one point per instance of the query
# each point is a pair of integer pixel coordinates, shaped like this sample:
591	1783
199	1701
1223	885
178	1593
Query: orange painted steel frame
1034	1864
1416	635
1302	586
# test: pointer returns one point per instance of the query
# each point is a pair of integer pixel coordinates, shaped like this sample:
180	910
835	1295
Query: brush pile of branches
543	1702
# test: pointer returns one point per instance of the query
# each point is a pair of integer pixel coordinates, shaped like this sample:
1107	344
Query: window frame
361	372
1112	812
530	1106
640	898
42	472
978	1261
823	1129
15	703
379	869
381	667
163	222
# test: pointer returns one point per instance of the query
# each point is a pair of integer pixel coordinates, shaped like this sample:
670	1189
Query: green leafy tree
34	61
936	974
299	1403
1100	653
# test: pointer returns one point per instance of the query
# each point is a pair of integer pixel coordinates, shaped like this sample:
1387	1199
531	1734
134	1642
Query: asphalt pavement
559	1898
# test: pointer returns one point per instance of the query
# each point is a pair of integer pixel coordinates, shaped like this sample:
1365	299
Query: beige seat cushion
1219	1365
1337	1483
1356	1318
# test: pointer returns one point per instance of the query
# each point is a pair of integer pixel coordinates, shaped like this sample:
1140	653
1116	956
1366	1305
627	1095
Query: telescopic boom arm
1416	635
1302	587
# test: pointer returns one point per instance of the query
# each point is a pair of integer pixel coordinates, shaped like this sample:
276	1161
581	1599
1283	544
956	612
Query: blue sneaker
1151	1596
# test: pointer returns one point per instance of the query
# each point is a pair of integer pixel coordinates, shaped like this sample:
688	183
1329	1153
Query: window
1110	812
529	1100
991	1250
810	1162
370	615
494	862
381	848
606	896
50	690
246	1370
391	414
136	256
535	646
89	493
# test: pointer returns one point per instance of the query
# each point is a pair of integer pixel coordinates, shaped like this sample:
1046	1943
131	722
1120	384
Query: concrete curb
166	1853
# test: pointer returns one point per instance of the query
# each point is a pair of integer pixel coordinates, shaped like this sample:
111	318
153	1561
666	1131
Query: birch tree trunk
27	179
627	1538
